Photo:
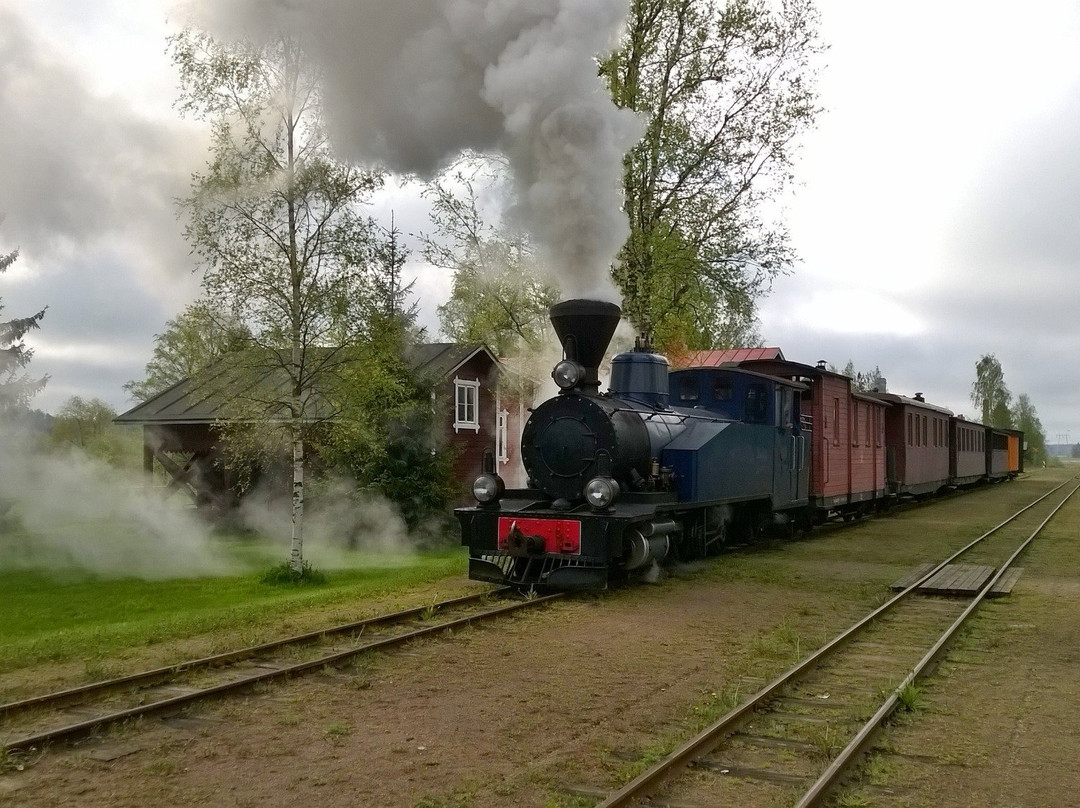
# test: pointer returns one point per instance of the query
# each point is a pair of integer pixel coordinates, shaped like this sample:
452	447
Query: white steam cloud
411	85
340	525
69	511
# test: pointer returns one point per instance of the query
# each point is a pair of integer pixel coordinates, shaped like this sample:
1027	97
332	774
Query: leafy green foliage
1026	419
863	381
283	574
498	298
727	88
990	394
88	426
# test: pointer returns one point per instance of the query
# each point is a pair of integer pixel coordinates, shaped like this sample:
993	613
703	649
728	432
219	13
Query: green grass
88	618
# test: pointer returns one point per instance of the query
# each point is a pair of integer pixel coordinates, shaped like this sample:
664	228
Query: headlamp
487	488
568	374
600	492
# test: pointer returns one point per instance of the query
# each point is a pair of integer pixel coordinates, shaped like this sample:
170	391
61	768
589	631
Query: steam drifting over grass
341	526
68	512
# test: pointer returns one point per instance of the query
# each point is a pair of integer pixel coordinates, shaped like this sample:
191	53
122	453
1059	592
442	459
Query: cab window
688	388
757	404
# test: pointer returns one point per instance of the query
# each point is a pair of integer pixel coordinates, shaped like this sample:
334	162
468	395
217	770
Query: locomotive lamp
602	489
600	492
488	487
568	374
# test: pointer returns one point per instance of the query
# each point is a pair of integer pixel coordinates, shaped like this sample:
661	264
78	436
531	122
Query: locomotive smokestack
584	328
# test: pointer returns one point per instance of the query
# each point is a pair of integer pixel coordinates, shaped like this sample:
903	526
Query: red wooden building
475	406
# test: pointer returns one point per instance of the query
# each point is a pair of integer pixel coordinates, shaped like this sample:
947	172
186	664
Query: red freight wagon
967	451
847	452
917	440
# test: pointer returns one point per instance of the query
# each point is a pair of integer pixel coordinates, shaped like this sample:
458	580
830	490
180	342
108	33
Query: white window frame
502	448
462	394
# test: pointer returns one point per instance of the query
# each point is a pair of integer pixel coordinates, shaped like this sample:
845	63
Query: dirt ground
510	713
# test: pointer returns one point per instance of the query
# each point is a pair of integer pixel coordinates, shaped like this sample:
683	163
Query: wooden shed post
148	458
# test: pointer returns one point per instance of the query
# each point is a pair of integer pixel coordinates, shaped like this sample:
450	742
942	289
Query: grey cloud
87	171
410	85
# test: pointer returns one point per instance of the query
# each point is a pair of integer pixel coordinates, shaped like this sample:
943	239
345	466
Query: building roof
896	399
201	399
715	357
439	359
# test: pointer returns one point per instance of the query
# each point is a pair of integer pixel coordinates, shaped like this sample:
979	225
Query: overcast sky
937	214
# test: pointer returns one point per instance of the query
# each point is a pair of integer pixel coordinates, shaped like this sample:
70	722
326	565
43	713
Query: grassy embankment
71	616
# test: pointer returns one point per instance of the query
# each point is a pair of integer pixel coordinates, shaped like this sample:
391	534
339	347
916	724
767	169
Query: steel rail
229	657
711	736
849	753
83	727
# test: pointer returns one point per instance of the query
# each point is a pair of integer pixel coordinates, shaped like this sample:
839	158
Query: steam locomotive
623	480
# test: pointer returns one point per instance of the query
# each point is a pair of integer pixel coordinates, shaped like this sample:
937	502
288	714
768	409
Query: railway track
793	740
35	722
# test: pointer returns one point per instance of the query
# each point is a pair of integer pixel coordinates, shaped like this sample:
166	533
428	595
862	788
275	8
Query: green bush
284	575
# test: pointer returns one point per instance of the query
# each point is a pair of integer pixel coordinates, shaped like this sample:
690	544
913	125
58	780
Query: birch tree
282	241
990	394
726	87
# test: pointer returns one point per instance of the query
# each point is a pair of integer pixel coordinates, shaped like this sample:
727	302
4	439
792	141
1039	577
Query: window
688	388
757	404
723	390
855	417
836	422
466	409
787	407
924	443
910	431
502	450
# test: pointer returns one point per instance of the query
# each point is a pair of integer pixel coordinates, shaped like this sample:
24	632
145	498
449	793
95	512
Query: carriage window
723	390
924	443
688	388
910	432
869	419
757	404
836	422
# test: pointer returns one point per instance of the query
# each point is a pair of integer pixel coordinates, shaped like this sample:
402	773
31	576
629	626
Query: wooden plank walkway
959	579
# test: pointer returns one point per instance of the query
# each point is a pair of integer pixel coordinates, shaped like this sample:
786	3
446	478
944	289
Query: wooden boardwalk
959	579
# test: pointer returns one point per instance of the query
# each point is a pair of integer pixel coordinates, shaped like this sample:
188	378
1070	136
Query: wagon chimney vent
821	364
919	397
